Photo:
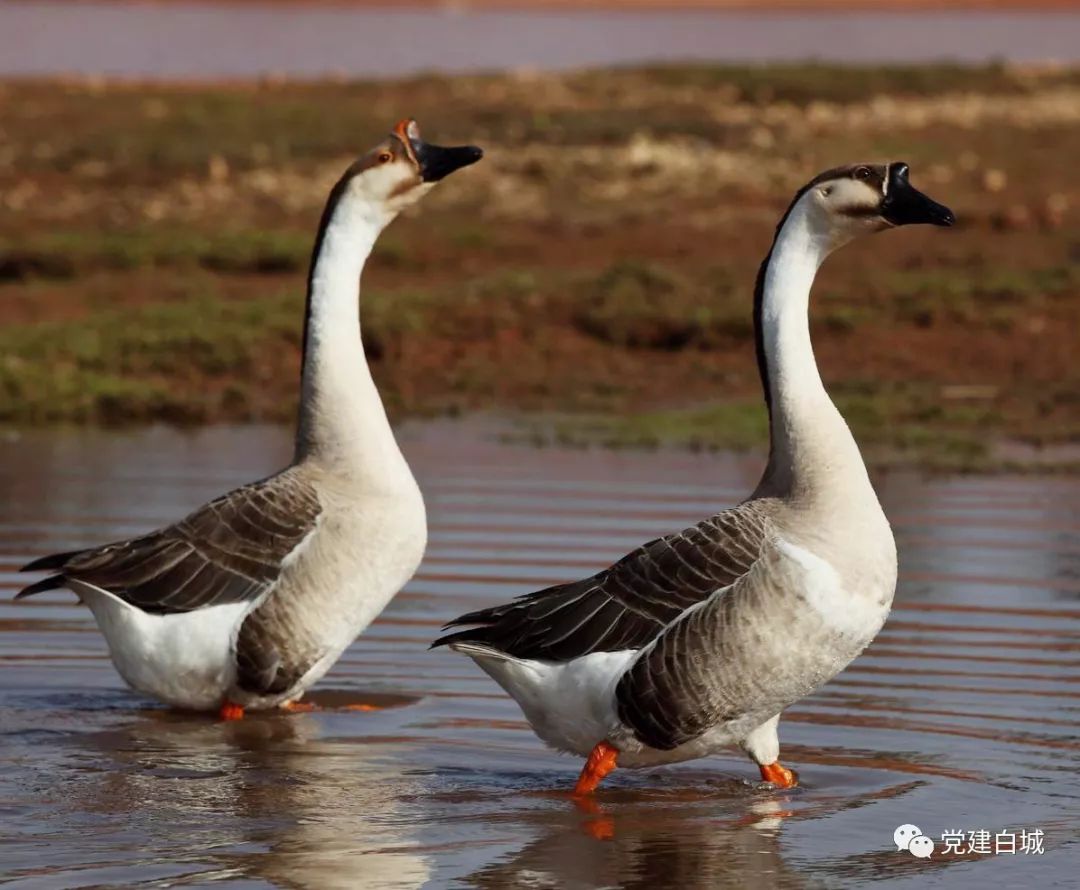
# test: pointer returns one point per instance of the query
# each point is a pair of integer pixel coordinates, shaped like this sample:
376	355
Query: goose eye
385	157
862	173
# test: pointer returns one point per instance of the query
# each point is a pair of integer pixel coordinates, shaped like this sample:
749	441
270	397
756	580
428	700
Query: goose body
741	654
699	640
279	636
250	599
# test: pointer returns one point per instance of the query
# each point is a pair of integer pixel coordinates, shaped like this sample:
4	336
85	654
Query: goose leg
601	762
763	746
231	711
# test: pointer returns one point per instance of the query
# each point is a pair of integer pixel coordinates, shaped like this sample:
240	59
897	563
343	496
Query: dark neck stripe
324	222
759	295
759	333
759	284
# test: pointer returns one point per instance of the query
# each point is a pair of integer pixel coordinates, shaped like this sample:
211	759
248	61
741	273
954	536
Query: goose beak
435	162
905	205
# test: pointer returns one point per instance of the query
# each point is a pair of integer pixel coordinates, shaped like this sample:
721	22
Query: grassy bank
596	267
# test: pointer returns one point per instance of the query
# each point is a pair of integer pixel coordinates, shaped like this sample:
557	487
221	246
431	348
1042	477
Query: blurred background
162	171
163	165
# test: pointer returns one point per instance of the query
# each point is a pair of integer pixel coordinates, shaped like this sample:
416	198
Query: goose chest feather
251	598
700	639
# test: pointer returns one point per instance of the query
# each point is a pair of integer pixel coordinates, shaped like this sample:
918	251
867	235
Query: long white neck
812	452
342	422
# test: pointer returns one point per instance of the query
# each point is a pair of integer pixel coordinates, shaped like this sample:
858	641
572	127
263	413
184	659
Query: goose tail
53	562
51	583
471	642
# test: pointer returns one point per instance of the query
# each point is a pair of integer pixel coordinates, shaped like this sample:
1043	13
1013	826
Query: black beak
905	205
435	161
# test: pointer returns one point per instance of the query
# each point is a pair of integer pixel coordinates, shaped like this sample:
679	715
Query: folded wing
628	605
699	672
230	550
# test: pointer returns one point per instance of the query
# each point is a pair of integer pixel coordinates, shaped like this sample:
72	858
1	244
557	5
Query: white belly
185	659
571	706
856	617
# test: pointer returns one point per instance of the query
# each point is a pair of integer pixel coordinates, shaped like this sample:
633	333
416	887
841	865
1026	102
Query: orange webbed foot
779	775
298	707
601	761
231	711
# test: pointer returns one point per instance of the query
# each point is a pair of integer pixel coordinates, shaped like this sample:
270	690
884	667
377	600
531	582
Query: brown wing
228	551
715	662
670	694
628	605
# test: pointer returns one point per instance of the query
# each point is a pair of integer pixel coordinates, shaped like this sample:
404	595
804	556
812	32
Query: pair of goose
692	643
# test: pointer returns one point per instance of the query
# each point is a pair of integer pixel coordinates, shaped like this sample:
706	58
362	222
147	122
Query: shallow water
205	40
963	715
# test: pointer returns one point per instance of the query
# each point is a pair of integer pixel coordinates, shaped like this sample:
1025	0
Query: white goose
249	600
699	640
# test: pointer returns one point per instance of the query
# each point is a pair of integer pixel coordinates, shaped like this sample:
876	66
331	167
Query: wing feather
230	550
628	605
673	692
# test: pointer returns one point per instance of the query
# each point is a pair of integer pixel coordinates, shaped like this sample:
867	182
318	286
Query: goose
699	640
250	599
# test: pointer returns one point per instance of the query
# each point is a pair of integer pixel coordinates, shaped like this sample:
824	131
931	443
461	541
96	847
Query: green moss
802	83
733	425
136	365
995	297
906	425
473	236
646	305
62	255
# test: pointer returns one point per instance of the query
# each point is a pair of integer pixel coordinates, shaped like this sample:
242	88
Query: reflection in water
652	849
285	805
711	836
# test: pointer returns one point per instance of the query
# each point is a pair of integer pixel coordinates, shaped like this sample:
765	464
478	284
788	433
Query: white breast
857	615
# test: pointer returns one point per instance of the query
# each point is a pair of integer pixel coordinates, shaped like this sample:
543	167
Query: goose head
848	201
402	169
